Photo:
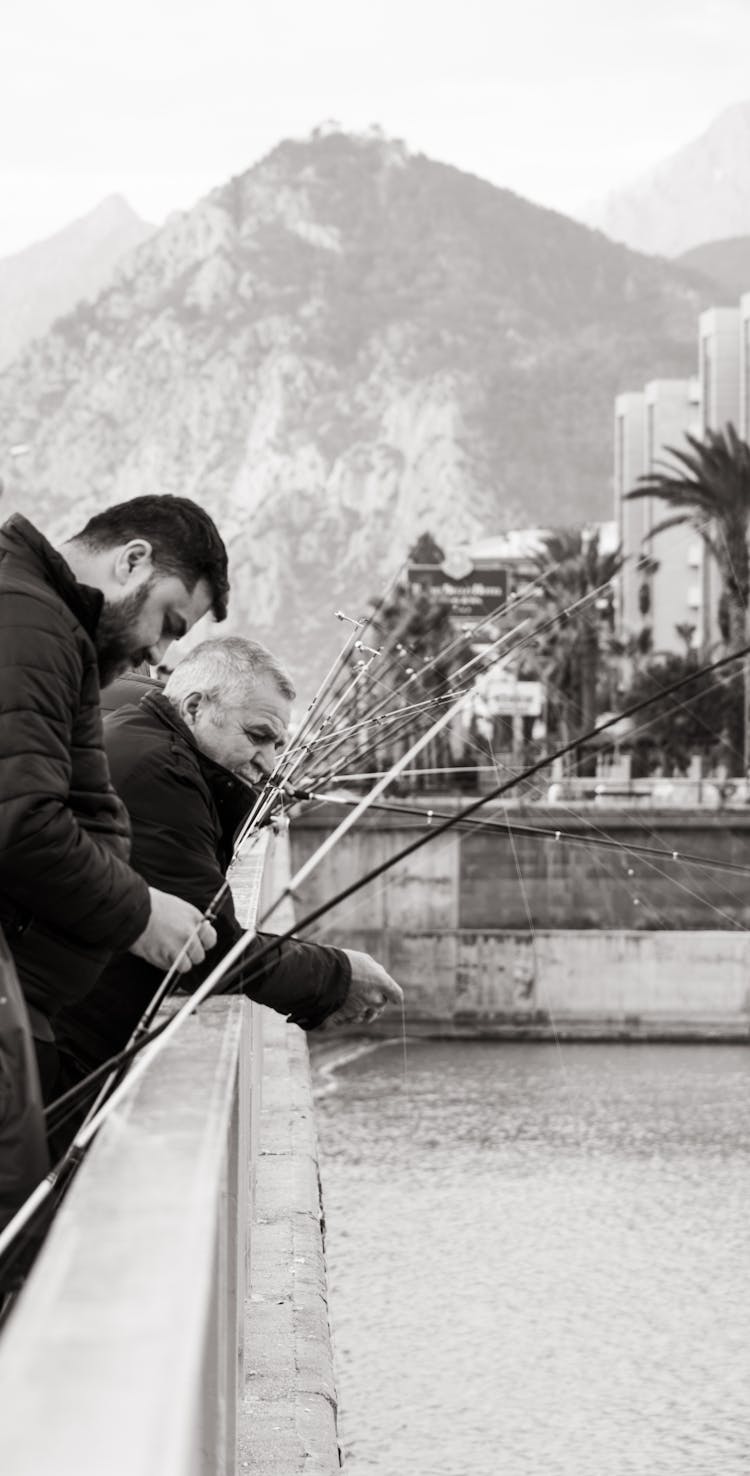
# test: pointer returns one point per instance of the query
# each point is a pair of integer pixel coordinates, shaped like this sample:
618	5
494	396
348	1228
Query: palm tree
709	486
576	578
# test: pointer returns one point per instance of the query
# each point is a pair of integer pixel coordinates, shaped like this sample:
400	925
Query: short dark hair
184	539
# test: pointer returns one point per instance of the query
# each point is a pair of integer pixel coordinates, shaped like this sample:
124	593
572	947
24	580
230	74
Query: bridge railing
124	1352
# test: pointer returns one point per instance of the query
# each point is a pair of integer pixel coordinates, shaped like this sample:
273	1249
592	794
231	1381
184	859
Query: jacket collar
21	538
232	796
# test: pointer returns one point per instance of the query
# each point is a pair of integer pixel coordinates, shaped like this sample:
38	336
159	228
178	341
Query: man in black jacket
182	760
136	577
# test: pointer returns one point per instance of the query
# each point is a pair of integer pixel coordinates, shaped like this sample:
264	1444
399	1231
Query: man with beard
134	579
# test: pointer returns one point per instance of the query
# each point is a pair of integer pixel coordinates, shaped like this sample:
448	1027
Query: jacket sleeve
174	847
61	873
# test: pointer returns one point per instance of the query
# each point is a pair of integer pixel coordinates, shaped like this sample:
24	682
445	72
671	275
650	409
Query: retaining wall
490	934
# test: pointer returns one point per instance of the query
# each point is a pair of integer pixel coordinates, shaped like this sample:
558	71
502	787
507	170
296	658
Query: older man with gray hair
182	759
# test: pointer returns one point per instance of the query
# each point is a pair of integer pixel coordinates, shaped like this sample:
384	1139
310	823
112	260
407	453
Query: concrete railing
124	1352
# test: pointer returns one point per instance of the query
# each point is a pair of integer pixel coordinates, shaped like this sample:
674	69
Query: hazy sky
162	99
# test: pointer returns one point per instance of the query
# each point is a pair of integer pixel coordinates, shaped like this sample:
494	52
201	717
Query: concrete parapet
288	1416
121	1356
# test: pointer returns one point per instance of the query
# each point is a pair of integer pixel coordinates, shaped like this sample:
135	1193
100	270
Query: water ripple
537	1260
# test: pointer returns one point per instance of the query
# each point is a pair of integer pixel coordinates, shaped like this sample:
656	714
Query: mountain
726	262
47	279
699	194
334	351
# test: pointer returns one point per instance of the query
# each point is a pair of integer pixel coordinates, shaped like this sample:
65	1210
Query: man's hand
370	991
173	926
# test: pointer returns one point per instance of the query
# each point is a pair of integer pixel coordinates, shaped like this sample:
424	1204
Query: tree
709	486
576	580
426	550
696	721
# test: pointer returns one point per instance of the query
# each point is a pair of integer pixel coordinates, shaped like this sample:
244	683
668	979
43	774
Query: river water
538	1258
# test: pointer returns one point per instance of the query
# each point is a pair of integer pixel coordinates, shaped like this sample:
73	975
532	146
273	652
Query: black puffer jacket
185	810
64	834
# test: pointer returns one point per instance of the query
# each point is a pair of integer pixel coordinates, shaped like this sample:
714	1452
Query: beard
116	638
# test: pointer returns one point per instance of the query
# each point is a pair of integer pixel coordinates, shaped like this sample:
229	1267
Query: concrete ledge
288	1415
121	1355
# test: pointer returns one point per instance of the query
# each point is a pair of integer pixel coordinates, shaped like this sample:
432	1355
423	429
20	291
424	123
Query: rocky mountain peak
334	350
47	279
700	193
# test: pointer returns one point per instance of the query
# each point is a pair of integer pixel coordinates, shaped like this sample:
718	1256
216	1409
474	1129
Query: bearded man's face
141	625
117	634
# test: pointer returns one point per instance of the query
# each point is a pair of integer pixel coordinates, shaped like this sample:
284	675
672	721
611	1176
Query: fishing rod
518	827
324	688
154	1042
468	810
225	968
355	642
257	809
483	659
456	639
346	777
539	584
230	974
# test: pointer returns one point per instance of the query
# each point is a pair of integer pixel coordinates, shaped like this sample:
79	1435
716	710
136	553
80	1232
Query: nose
265	756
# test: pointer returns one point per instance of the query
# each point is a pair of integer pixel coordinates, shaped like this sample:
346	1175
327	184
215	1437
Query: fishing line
153	1042
226	971
485	662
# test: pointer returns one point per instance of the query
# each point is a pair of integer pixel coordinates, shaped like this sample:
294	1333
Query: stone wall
483	879
490	934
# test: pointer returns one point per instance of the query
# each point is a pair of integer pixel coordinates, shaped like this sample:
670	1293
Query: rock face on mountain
699	194
46	280
335	350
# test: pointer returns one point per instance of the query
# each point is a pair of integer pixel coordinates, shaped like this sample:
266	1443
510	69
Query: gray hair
225	671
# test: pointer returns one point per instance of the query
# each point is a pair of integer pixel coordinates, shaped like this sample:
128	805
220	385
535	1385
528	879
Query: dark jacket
185	810
66	890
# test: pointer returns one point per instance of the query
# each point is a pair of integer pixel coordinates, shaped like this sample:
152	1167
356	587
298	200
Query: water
538	1259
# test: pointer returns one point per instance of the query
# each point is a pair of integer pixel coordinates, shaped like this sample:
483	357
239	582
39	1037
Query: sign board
472	594
503	696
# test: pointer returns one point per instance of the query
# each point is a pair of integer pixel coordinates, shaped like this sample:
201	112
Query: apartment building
662	584
681	587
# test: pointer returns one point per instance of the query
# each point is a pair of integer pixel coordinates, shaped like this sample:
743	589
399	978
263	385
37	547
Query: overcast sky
162	99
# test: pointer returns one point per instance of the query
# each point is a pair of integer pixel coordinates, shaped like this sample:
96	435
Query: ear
133	561
190	706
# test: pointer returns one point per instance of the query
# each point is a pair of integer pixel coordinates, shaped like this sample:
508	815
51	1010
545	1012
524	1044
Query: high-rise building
672	407
631	517
719	366
663	583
